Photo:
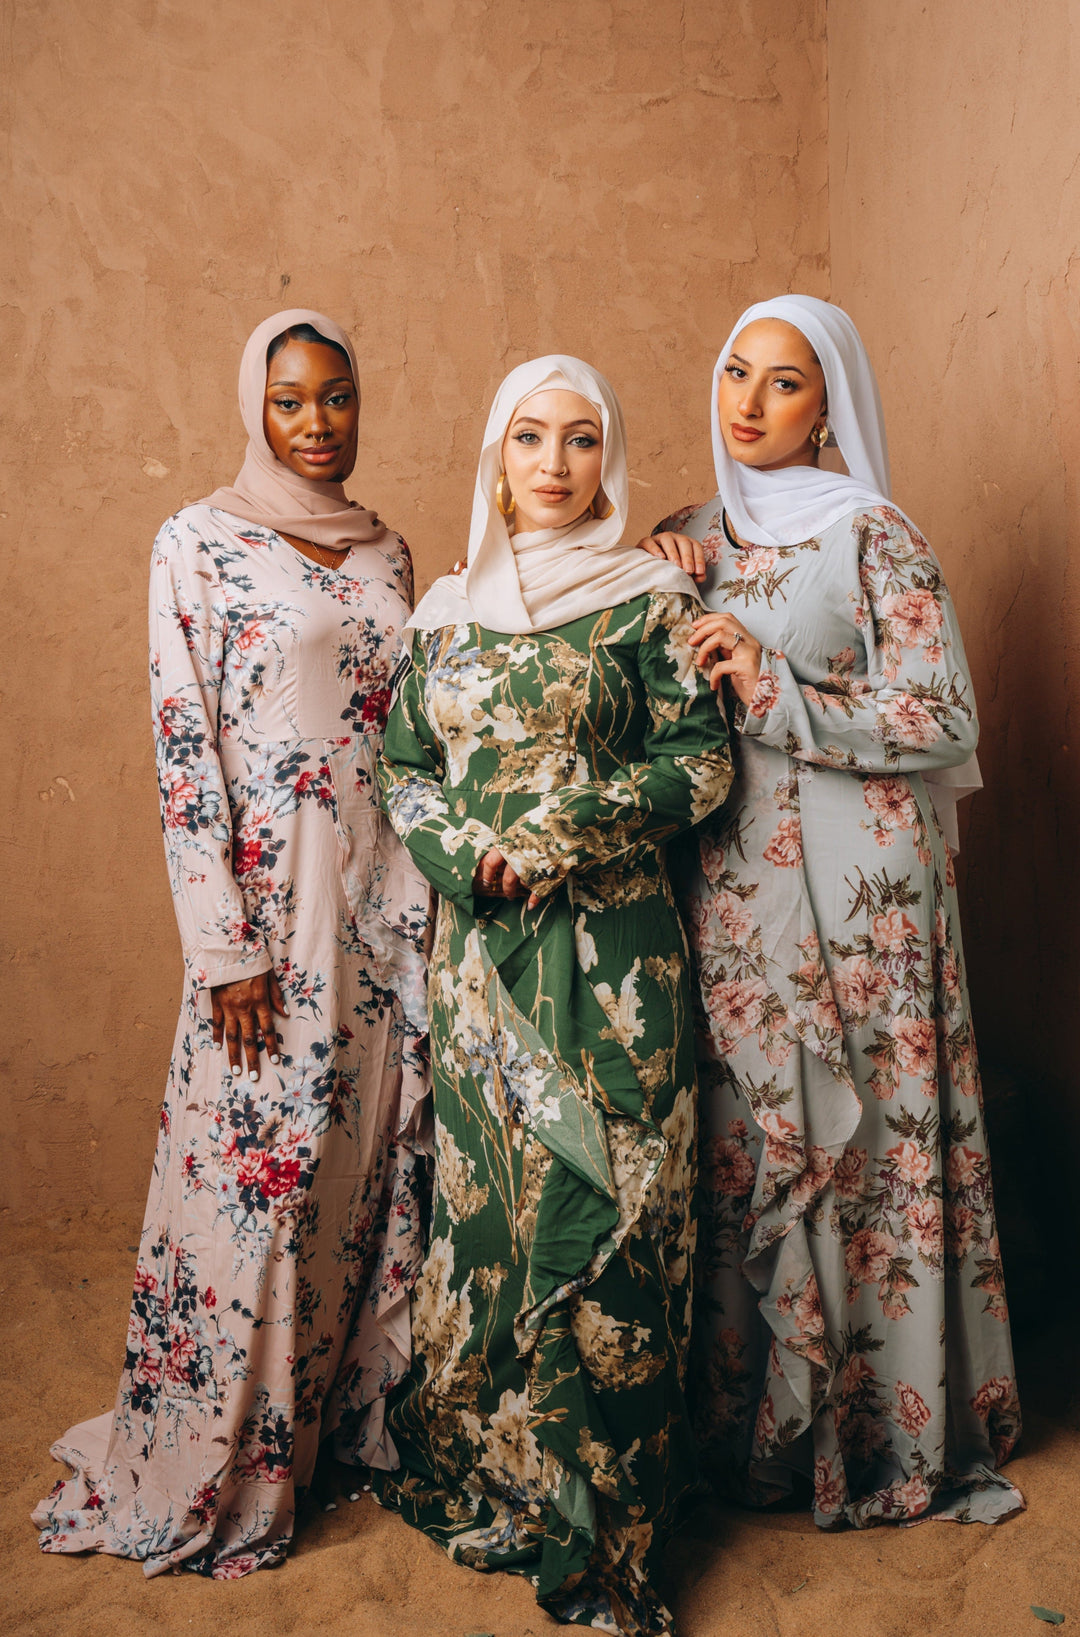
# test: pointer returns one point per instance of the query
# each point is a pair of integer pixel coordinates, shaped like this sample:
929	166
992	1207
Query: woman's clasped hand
243	1021
721	634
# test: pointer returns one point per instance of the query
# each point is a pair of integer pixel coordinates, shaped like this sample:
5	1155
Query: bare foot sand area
361	1572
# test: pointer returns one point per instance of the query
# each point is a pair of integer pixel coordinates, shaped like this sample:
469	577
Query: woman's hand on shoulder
244	1011
495	878
740	653
688	554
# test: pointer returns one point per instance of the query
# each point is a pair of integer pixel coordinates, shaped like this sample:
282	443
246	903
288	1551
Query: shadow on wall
1020	908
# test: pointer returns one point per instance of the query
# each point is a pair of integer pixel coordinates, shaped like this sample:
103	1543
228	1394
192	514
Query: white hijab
787	507
537	581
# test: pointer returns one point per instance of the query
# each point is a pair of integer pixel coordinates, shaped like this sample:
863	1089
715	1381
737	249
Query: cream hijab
537	581
796	503
266	492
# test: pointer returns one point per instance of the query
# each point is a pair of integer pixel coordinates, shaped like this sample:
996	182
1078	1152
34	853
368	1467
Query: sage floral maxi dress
544	1428
282	1232
850	1314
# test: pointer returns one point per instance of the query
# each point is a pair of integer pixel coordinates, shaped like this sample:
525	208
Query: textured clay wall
464	186
955	244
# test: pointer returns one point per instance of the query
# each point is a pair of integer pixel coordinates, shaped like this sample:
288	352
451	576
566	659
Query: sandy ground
362	1573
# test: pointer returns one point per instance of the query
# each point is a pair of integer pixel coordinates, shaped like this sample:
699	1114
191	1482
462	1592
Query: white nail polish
331	1506
217	1045
275	1059
253	1074
234	1069
354	1495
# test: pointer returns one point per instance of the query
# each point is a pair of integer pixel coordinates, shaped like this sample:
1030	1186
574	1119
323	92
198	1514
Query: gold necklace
325	561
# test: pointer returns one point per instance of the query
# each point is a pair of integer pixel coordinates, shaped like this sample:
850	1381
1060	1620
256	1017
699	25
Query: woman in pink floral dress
282	1233
851	1322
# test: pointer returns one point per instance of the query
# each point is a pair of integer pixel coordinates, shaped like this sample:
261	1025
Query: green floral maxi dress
543	1428
850	1312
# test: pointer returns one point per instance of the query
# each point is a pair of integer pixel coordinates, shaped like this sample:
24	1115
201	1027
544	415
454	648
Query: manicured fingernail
354	1495
285	1012
234	1068
217	1045
253	1074
331	1506
274	1058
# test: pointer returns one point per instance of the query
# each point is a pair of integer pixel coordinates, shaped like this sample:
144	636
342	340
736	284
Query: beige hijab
266	492
537	581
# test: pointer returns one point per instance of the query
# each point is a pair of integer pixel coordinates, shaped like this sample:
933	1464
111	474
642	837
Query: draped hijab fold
539	580
266	492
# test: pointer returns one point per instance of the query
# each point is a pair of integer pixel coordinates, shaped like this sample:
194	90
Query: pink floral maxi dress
850	1320
282	1233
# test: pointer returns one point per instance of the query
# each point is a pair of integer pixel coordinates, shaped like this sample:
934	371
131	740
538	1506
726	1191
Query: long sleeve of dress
446	847
913	710
684	772
187	625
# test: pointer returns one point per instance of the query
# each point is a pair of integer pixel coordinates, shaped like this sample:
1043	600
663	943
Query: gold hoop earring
500	496
601	517
819	437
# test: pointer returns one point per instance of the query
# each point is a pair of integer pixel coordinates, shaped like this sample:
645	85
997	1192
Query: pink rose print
731	1170
815	1175
862	989
785	846
765	694
868	1255
913	1497
252	634
911	722
912	1413
857	1374
829	1488
736	1007
893	932
734	915
963	1167
765	1427
912	1163
959	1230
927	1230
848	1179
916	1044
179	799
783	1147
915	617
762	560
992	1394
233	1568
891	802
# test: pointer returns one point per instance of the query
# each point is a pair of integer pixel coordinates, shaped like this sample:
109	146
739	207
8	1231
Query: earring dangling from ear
501	492
601	517
819	437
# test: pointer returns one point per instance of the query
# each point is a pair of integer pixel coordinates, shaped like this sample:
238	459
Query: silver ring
735	641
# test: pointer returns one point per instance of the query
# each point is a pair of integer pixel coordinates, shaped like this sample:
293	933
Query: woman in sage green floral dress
851	1321
551	733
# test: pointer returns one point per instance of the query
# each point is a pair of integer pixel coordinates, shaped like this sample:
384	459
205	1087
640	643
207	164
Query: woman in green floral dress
550	734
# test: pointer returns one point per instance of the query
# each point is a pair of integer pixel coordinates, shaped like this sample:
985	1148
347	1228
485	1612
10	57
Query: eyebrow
788	369
531	420
334	381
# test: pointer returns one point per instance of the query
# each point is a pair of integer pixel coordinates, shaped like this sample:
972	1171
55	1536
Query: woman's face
552	455
771	396
311	411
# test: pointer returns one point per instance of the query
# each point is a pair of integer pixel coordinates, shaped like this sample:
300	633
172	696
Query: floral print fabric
544	1429
850	1313
282	1233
